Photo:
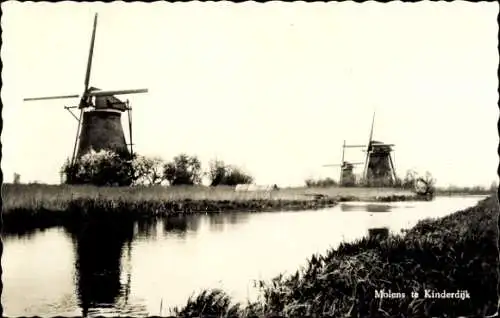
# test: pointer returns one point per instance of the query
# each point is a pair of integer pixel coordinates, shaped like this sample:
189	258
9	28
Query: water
139	268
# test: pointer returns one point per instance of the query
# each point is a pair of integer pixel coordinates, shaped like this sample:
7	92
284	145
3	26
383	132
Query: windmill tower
378	165
99	122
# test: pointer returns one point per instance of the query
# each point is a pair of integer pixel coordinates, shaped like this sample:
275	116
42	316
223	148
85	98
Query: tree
409	180
183	170
430	181
494	186
422	184
216	172
148	170
221	174
237	176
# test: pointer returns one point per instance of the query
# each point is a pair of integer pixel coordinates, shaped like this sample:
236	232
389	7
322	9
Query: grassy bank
58	197
457	252
36	197
39	206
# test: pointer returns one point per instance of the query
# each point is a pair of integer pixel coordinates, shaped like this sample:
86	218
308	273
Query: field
58	197
456	253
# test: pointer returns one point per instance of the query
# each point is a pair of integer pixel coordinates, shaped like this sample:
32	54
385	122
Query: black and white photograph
274	159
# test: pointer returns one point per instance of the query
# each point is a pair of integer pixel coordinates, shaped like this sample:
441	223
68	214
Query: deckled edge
498	174
1	171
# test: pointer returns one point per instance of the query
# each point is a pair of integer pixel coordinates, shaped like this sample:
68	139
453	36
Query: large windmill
99	123
378	165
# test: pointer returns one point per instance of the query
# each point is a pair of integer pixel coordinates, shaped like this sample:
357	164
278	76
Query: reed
37	206
456	253
35	197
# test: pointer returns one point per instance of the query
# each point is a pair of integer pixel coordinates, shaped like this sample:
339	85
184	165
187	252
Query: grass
59	197
457	252
37	206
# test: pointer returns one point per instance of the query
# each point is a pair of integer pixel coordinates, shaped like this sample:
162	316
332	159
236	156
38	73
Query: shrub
321	183
102	168
221	174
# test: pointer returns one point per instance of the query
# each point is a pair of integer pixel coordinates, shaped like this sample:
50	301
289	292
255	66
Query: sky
274	88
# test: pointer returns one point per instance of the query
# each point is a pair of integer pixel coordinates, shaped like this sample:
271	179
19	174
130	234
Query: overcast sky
274	88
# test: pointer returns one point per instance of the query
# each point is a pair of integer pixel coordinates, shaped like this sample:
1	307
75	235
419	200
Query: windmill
99	123
347	177
378	165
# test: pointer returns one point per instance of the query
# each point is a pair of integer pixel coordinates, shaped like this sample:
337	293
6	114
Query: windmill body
380	169
99	121
102	130
347	174
101	127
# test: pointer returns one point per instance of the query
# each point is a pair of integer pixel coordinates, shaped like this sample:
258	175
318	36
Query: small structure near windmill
17	178
378	166
99	122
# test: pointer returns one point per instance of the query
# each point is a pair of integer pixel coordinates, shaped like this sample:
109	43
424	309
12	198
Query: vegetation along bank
41	205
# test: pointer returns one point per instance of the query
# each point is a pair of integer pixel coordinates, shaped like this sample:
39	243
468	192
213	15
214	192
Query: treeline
107	168
479	190
408	182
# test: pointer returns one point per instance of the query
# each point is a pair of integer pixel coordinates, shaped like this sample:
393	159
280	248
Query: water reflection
365	207
146	228
218	221
179	225
99	247
21	233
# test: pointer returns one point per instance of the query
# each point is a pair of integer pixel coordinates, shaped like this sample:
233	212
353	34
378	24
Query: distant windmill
99	123
378	165
346	168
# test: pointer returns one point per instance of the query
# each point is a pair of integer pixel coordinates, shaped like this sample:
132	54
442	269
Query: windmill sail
91	53
50	97
368	149
118	92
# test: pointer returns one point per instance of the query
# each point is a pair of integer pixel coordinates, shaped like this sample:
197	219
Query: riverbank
57	197
31	206
185	199
455	253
